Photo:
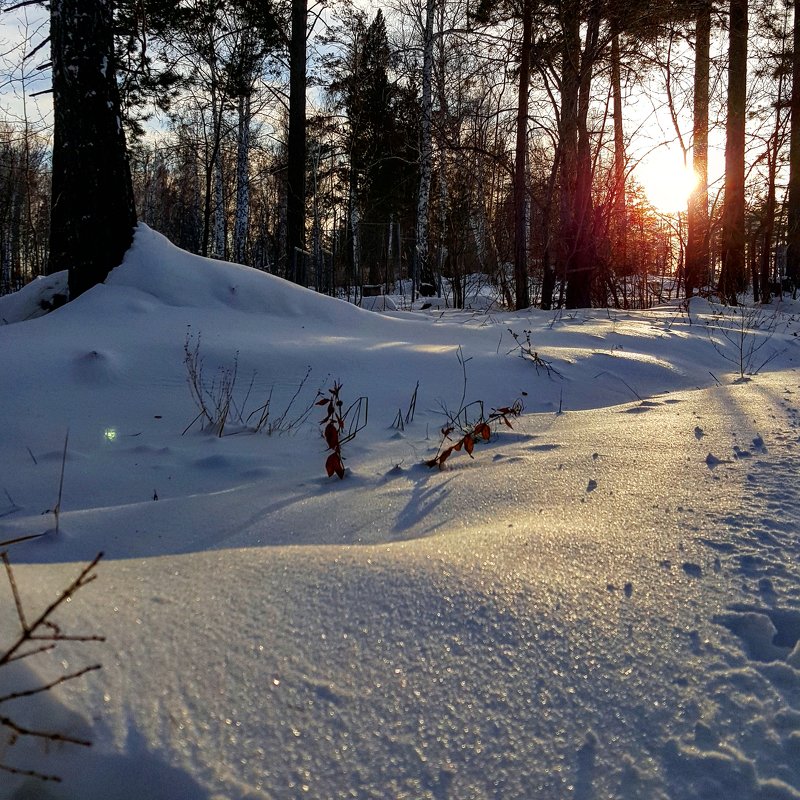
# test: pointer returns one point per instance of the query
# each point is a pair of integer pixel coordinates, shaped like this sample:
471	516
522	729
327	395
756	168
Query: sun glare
666	180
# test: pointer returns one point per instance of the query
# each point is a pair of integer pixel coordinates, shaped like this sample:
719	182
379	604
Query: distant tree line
430	140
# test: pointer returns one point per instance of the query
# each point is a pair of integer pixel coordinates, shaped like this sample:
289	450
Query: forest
534	539
432	141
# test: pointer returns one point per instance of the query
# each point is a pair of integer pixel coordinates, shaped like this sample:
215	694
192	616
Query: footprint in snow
592	485
640	409
767	634
544	448
699	433
692	570
712	461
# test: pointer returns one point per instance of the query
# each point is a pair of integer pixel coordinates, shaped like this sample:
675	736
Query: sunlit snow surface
603	603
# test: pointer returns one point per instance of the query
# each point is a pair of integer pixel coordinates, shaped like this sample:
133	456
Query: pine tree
733	277
378	112
697	241
793	209
422	271
93	213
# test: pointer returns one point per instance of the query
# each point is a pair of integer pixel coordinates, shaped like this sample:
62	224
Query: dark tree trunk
93	213
762	277
793	232
520	172
583	265
620	224
733	276
421	271
568	137
697	217
548	273
296	173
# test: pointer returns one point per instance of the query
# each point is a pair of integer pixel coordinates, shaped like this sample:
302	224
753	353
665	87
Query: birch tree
524	12
296	169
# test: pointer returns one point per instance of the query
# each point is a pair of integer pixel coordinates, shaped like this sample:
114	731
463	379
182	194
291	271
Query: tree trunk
242	182
583	263
763	275
568	137
793	209
212	162
219	207
421	271
354	253
93	213
548	273
619	225
520	171
296	173
697	235
733	276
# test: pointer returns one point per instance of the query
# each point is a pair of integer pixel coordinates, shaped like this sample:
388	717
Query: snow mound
40	296
155	267
601	602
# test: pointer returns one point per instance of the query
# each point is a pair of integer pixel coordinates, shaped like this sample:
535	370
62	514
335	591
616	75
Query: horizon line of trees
447	138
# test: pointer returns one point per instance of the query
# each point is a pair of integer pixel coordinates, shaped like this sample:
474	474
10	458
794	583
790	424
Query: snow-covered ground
603	603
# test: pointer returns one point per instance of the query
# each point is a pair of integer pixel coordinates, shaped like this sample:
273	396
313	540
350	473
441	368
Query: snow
603	602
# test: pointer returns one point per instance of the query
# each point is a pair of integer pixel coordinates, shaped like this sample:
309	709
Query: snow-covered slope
604	602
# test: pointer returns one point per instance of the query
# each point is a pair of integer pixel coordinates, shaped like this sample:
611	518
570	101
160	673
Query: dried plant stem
57	509
38	636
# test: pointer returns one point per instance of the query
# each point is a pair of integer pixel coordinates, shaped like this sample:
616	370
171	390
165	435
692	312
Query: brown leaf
457	445
334	465
484	431
469	444
331	435
322	402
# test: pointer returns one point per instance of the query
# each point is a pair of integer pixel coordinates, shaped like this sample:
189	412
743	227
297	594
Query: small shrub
214	399
527	351
220	405
340	427
262	421
471	434
748	329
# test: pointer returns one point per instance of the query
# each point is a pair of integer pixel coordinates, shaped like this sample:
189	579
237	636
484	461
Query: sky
660	162
20	32
601	602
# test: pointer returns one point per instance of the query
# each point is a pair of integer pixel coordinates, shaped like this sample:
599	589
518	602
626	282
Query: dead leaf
331	435
334	465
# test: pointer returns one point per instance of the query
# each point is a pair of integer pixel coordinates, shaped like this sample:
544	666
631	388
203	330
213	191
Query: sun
667	180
